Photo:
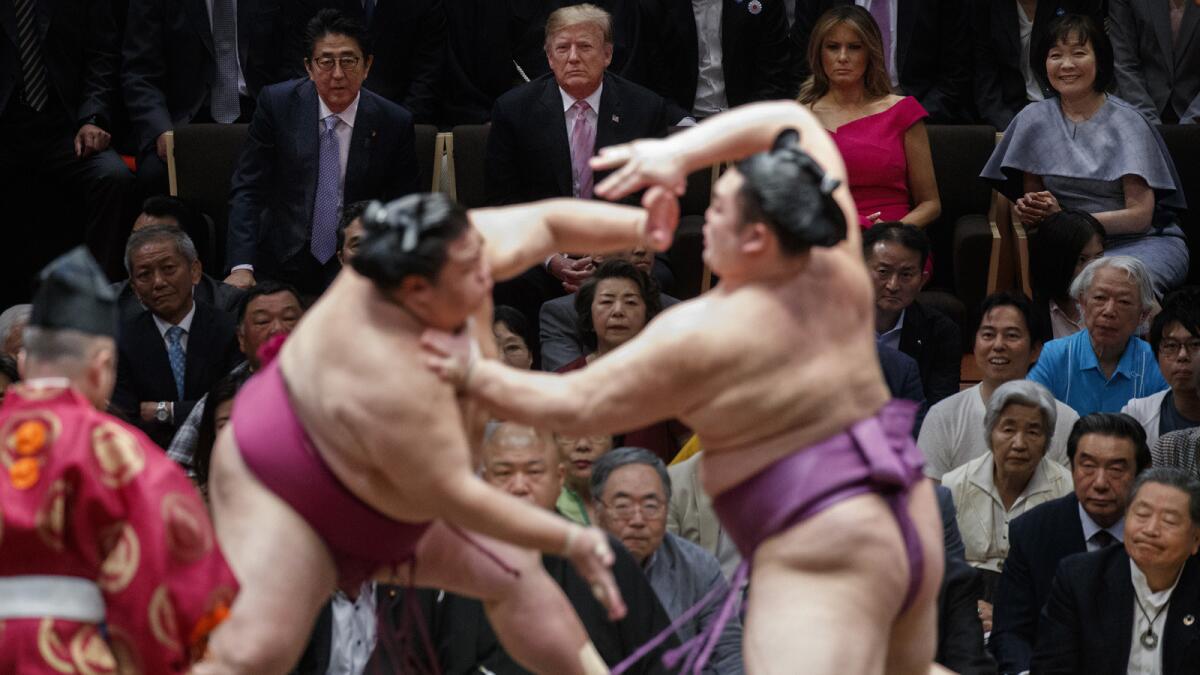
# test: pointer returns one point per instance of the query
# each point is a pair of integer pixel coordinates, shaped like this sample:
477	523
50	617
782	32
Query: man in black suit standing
314	145
408	38
929	45
1131	608
171	353
193	61
1107	451
544	132
58	81
716	54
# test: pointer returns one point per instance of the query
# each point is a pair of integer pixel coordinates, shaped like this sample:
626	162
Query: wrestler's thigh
913	641
465	563
285	571
824	592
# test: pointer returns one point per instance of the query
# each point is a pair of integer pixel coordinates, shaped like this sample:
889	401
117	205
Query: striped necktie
29	46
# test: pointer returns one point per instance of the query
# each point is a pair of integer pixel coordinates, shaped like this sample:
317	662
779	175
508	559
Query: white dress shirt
1033	90
891	55
1090	528
185	324
353	638
710	80
593	115
344	131
1144	661
242	89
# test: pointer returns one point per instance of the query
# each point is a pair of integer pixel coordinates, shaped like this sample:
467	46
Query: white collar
1141	588
47	383
347	116
1090	527
981	475
185	323
593	99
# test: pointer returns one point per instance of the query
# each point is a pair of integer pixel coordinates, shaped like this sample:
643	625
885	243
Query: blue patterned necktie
328	201
177	357
33	68
224	104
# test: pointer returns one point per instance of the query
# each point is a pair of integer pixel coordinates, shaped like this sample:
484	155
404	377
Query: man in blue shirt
1101	368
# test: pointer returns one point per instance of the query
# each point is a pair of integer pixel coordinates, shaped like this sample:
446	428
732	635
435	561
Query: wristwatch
160	413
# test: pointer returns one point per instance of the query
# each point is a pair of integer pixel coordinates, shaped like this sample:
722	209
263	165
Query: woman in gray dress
1085	149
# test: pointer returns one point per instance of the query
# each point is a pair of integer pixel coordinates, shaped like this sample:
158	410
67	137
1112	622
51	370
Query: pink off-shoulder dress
873	149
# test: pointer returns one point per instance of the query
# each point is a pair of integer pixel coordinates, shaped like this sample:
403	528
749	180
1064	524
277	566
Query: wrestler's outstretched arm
521	236
729	136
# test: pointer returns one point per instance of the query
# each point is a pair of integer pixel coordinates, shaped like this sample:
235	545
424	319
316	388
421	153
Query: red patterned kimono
85	496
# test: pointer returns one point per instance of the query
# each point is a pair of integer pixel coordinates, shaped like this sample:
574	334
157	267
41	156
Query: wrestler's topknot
786	189
409	235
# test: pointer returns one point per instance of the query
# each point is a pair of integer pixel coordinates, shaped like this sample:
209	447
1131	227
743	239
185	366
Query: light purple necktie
327	203
583	143
881	11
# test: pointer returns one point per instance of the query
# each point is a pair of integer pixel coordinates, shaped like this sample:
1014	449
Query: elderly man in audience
172	351
1103	367
511	330
1157	71
1107	450
632	491
1005	347
1175	339
12	327
896	256
561	336
578	455
525	463
172	212
1181	449
314	145
990	490
1131	608
268	309
543	133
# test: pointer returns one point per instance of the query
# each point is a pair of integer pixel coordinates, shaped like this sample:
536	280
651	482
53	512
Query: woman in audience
612	306
1066	242
1087	150
991	490
881	135
218	404
8	373
512	336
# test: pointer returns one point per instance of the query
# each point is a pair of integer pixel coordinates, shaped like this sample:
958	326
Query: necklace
1148	638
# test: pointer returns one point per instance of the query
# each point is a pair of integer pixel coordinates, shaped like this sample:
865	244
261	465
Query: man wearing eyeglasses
1175	339
631	490
314	145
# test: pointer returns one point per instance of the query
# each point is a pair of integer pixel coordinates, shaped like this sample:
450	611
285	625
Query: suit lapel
1182	630
1005	16
1161	18
306	140
1187	32
8	17
198	11
608	118
1116	605
158	363
361	140
906	18
245	12
560	145
198	349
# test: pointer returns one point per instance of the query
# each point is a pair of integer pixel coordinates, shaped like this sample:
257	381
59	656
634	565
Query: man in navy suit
1107	451
193	61
312	146
538	148
1131	608
172	352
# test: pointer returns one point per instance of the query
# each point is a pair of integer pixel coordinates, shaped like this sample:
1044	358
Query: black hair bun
794	193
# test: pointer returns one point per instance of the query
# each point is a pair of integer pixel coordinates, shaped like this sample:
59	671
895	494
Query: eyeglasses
1172	347
625	508
349	64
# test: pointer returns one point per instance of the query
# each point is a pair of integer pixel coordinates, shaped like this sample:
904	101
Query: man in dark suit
1131	608
1002	83
408	39
903	377
1157	49
717	54
1106	451
314	145
960	635
170	354
192	61
58	82
896	256
544	132
931	57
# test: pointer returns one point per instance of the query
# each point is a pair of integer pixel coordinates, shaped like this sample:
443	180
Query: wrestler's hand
589	552
450	355
662	217
642	163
